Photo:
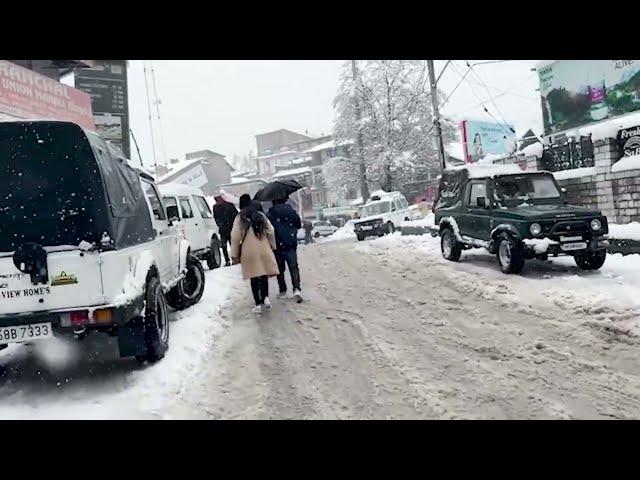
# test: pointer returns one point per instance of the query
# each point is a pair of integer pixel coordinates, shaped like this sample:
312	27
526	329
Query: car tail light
72	319
102	316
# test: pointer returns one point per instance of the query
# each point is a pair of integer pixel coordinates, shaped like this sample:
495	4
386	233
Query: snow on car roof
177	189
484	171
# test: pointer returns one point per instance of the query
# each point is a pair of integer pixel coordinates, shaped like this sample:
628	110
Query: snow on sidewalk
66	379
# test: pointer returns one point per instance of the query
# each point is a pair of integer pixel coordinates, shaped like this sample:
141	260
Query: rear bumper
120	315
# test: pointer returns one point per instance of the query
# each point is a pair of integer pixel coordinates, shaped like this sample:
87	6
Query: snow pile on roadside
67	379
344	233
428	221
627	231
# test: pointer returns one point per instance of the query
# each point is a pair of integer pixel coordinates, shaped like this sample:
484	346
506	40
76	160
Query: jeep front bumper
576	247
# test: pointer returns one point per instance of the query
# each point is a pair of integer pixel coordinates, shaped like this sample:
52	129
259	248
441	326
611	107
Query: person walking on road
286	224
252	245
224	214
308	228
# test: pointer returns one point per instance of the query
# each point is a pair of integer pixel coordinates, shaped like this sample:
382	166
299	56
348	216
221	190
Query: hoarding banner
629	141
482	138
27	94
194	177
578	92
106	83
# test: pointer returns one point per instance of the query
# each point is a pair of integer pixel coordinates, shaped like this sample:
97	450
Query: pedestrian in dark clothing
224	214
286	224
308	228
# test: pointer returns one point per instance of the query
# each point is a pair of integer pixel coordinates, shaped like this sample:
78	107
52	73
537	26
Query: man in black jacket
286	224
224	214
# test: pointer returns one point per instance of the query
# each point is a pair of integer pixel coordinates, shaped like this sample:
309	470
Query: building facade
204	169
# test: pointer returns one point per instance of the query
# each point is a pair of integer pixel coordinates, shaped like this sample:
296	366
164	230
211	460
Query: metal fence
569	155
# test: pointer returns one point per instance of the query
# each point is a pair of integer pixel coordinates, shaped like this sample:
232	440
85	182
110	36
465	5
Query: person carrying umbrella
286	223
252	245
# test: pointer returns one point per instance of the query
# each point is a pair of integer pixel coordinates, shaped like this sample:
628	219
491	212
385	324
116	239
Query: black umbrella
280	189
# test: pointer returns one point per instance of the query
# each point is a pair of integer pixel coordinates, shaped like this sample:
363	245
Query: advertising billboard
106	84
194	176
27	94
482	138
578	92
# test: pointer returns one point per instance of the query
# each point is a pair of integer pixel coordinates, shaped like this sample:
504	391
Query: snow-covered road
390	330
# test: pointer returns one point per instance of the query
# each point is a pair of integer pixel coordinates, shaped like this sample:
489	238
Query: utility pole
436	112
364	188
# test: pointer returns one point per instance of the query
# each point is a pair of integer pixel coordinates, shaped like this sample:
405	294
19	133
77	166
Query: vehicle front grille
570	229
369	223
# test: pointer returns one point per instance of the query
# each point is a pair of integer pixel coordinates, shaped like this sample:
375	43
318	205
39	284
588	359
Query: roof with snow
328	145
175	168
293	171
176	189
455	150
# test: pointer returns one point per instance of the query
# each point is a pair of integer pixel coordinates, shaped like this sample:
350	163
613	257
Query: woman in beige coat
252	245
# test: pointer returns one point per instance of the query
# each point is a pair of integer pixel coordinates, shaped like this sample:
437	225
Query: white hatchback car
187	208
323	229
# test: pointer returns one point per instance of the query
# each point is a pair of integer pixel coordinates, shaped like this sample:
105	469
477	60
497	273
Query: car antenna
137	148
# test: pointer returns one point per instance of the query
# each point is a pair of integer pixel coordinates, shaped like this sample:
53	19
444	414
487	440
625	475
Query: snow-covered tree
399	142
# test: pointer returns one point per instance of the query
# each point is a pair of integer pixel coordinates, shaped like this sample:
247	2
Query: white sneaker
297	295
267	303
282	295
257	309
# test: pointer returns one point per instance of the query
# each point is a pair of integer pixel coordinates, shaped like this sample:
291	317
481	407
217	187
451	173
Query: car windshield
376	208
527	187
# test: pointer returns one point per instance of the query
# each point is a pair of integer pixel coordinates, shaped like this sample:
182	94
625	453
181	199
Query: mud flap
131	338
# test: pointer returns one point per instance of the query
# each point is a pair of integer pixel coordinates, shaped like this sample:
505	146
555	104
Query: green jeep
517	216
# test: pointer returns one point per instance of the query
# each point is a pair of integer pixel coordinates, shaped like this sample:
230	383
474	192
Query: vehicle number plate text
574	246
24	333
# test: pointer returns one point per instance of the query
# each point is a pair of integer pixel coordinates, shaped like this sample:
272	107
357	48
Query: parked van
381	215
187	208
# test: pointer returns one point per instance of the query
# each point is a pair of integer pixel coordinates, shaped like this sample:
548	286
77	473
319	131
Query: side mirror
482	202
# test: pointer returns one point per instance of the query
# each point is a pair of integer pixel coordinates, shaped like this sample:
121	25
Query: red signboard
27	94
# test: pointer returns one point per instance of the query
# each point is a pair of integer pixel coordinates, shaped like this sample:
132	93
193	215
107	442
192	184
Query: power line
490	97
483	103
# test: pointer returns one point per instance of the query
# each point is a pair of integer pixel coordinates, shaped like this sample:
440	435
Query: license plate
574	246
571	239
367	228
24	333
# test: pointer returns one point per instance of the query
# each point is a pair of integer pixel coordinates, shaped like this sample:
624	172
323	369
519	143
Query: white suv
85	243
187	207
381	215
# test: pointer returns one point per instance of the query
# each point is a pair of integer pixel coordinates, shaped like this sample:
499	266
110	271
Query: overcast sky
221	105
